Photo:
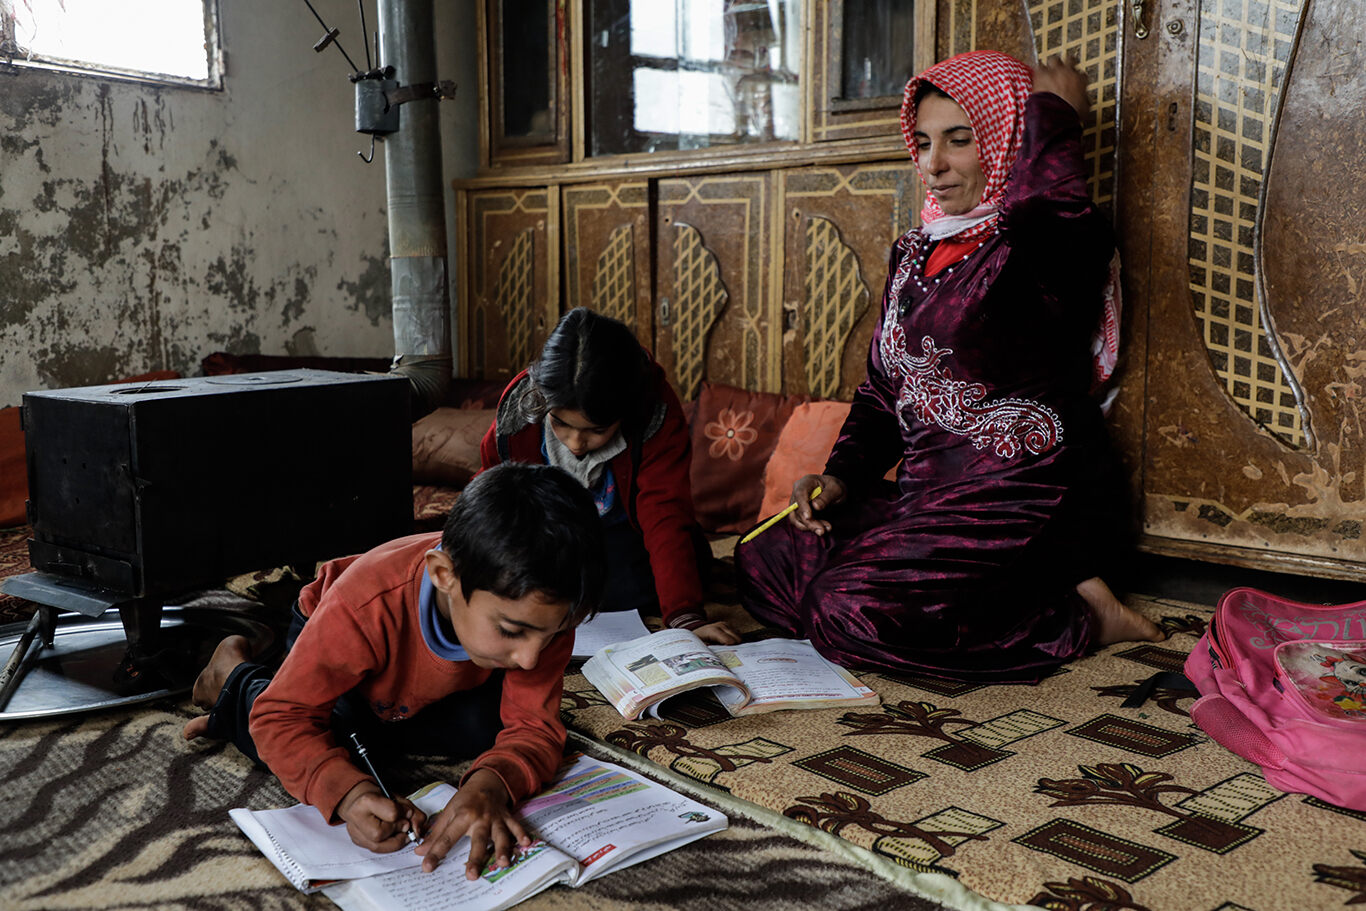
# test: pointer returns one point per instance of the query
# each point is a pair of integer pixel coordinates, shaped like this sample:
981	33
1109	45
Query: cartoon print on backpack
1329	676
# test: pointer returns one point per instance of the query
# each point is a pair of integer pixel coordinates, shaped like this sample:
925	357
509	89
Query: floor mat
115	810
1053	794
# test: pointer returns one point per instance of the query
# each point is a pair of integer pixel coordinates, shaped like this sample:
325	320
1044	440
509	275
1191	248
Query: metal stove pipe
417	216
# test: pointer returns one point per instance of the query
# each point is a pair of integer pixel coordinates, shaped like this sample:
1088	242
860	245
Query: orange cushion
802	449
13	470
446	445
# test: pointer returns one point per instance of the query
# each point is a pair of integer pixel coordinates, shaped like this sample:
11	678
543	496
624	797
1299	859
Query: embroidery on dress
903	267
932	394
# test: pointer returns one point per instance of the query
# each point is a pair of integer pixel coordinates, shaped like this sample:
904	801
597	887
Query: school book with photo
593	819
767	676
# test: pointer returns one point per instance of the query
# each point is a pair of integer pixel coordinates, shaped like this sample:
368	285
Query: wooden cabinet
837	222
607	257
512	277
1246	268
742	233
749	251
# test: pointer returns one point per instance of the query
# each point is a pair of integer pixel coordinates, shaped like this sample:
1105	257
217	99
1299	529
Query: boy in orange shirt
407	643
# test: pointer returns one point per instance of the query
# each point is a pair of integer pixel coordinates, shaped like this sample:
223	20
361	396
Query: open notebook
595	818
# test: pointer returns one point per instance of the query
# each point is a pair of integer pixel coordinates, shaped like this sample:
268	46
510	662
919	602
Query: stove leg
141	619
41	626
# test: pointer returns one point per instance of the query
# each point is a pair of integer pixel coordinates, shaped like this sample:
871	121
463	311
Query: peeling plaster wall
144	227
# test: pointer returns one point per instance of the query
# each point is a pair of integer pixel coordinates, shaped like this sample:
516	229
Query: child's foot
229	653
1114	621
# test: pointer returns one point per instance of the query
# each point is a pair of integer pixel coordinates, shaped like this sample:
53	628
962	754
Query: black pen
364	755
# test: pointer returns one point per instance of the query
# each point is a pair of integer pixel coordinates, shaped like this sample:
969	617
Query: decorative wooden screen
1244	49
714	240
512	301
607	252
1087	31
840	225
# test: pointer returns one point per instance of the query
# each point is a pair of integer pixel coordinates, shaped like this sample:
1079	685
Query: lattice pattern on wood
614	281
1087	30
1244	49
835	299
513	297
699	297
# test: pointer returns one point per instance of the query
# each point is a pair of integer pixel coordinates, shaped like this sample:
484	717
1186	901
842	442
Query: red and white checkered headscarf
991	88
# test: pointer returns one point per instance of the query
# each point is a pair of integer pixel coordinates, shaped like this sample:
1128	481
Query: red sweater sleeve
664	511
291	719
529	748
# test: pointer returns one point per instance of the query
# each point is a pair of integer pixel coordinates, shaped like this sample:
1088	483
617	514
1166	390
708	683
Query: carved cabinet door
839	224
1245	260
715	303
607	252
511	248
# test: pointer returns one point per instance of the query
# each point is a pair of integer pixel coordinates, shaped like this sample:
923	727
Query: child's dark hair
518	529
593	364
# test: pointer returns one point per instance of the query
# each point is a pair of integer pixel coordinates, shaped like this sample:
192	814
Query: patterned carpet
960	796
116	811
1052	795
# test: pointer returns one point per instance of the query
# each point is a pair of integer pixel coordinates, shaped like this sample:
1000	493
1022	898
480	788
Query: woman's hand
374	821
832	492
1062	78
480	809
718	633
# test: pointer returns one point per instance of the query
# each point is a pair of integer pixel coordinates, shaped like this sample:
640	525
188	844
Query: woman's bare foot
1114	621
229	653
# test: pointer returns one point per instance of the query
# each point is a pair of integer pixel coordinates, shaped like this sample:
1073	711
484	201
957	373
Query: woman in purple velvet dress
983	560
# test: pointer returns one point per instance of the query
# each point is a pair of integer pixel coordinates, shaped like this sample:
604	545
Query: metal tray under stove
80	672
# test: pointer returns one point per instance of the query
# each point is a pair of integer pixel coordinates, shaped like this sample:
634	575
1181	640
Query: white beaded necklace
926	284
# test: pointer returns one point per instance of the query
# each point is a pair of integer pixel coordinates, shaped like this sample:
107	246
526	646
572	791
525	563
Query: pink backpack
1283	684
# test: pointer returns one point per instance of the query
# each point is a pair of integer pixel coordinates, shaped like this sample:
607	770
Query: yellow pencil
776	519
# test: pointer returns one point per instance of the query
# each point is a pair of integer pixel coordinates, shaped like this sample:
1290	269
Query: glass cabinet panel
527	82
862	54
527	55
689	74
877	48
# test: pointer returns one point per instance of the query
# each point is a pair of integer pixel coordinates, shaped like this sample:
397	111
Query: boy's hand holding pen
374	823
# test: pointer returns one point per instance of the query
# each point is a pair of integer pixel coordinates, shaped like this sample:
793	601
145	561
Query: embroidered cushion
734	431
13	469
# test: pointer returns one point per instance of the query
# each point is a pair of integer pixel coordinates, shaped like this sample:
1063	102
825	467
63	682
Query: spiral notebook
593	819
310	853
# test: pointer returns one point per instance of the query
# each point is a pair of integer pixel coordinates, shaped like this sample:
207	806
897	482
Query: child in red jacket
597	405
452	644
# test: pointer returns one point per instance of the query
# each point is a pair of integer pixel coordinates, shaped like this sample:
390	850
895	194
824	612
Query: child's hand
718	633
480	810
374	821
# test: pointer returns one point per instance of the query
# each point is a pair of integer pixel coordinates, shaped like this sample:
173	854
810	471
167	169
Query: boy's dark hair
593	364
518	529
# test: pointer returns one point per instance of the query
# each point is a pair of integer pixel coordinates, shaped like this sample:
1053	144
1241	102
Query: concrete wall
144	227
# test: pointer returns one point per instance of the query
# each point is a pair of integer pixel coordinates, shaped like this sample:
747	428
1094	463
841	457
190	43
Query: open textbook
754	677
594	819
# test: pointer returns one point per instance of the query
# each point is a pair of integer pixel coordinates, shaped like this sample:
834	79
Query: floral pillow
734	432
